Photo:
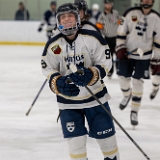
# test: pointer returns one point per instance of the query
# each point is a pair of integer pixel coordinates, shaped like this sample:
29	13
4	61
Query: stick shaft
117	123
36	98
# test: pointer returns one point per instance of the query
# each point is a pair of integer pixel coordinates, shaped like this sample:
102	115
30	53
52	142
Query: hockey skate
134	118
124	102
153	94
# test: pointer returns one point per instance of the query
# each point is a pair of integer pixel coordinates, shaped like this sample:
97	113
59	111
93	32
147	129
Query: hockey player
137	32
75	46
94	13
83	7
49	19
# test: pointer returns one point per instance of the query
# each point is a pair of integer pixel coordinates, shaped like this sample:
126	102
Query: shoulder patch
56	49
134	18
51	41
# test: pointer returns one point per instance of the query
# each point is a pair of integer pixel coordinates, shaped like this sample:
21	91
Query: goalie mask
146	6
68	8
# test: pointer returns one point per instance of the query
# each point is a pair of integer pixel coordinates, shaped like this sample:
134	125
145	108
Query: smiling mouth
69	24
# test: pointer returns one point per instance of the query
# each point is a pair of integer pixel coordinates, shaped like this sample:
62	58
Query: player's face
94	10
21	7
68	20
108	6
81	14
147	2
53	7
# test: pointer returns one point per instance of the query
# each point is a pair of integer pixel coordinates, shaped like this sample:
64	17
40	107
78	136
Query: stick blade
140	52
29	111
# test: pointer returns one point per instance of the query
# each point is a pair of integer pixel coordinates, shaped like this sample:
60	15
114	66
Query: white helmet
95	6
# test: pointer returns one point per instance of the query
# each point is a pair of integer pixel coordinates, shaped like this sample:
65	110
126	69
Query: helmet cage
70	30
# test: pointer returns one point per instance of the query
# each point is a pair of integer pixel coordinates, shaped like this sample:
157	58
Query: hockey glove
58	84
89	77
121	52
155	66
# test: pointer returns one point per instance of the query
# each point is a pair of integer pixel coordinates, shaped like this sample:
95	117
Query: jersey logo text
104	132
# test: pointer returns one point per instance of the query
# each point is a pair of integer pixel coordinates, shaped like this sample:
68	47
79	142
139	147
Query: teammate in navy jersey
49	19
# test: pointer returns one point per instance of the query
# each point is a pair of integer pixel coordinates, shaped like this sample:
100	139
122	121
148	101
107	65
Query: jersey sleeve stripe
157	45
101	70
121	37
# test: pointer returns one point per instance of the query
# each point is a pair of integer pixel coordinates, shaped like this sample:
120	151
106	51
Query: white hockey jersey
137	30
90	26
88	49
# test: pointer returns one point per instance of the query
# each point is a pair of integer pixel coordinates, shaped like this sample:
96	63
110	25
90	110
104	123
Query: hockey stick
36	98
73	68
138	51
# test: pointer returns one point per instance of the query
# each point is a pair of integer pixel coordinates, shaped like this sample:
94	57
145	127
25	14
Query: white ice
39	136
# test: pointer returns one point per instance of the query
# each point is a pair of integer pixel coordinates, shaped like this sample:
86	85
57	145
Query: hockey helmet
108	1
53	3
81	5
68	8
95	6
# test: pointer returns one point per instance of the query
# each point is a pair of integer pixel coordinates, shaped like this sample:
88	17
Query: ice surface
38	136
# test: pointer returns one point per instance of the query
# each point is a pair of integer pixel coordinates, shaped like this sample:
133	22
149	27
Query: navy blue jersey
50	20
